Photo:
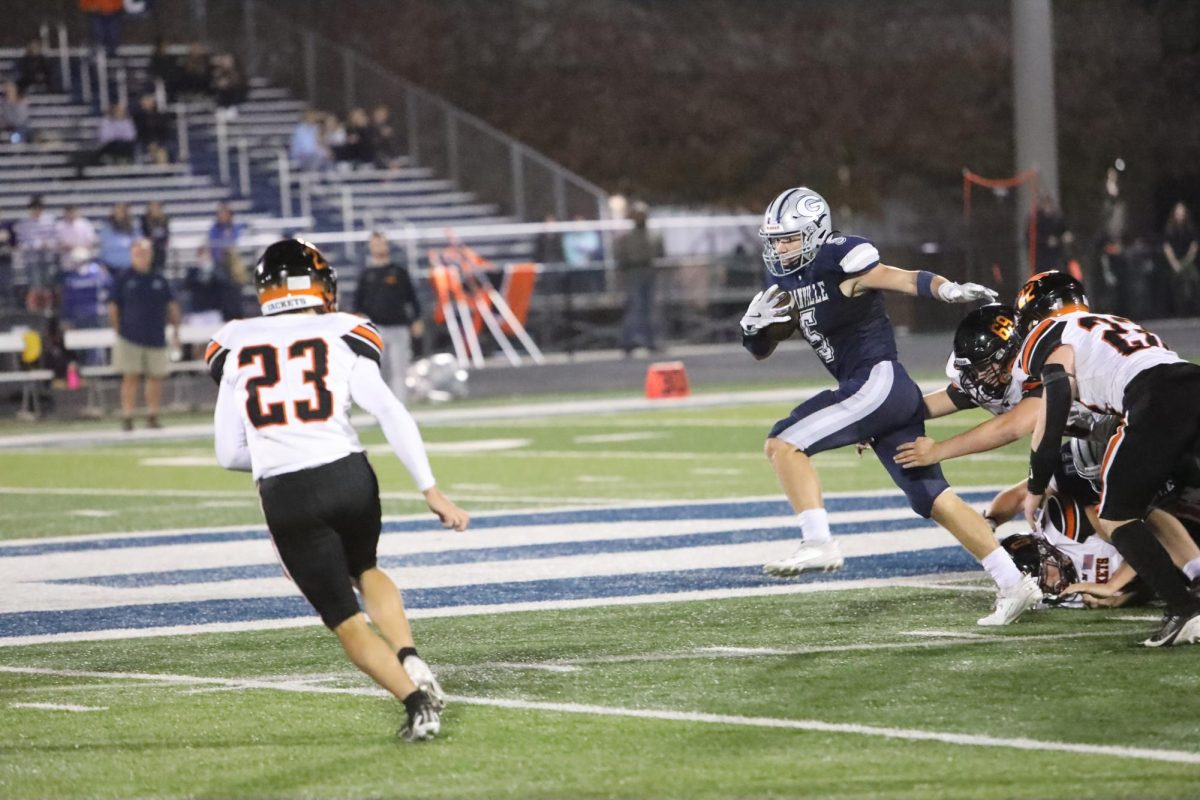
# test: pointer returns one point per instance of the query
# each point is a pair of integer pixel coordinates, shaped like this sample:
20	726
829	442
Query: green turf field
861	692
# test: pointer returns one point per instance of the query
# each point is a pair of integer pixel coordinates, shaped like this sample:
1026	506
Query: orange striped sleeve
369	334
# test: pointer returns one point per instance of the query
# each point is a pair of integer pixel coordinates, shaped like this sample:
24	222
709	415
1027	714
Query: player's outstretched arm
988	435
920	283
229	432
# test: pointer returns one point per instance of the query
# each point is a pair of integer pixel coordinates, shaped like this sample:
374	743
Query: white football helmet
797	212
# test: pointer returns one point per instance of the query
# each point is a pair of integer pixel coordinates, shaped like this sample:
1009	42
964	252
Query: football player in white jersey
286	382
1114	366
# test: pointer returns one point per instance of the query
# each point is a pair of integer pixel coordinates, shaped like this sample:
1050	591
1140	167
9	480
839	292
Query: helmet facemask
797	214
987	379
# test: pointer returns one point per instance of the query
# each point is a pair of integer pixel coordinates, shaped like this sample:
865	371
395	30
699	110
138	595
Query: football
779	331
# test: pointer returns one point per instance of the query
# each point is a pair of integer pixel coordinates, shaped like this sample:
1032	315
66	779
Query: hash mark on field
57	707
91	512
605	438
669	715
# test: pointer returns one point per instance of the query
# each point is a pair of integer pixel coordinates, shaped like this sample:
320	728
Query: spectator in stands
1051	236
139	310
635	255
74	231
117	136
14	114
1181	244
581	253
223	238
7	240
333	136
211	298
580	247
195	74
164	67
228	87
548	249
385	293
104	22
34	70
360	144
383	137
156	226
37	256
84	286
307	148
116	238
153	130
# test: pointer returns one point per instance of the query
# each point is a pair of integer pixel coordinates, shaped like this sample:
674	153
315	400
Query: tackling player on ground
286	384
836	283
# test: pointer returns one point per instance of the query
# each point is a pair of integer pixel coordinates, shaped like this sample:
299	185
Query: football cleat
1013	602
809	557
423	721
1176	629
426	681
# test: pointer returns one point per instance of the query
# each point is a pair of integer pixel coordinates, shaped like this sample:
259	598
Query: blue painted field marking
134	617
512	553
688	511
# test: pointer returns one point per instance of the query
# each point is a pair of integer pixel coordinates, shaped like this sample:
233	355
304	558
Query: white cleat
1014	601
426	681
809	557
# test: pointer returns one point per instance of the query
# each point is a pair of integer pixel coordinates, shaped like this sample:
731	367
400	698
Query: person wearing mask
141	306
386	295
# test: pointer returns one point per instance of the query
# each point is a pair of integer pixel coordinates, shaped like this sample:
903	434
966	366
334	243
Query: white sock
1192	569
814	526
1000	566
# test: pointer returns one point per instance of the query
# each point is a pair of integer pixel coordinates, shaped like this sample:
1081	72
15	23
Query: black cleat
1176	629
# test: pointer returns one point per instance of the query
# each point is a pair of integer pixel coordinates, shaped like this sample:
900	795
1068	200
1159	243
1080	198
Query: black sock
1135	541
405	652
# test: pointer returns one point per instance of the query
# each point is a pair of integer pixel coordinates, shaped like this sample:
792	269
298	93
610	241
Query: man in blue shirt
140	308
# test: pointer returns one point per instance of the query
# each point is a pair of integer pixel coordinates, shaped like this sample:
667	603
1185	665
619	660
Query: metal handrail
454	117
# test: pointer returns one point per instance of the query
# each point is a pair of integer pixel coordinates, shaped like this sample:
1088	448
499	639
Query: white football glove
423	677
951	292
765	309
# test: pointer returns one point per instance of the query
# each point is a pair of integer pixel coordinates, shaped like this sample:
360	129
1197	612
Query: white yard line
668	715
57	707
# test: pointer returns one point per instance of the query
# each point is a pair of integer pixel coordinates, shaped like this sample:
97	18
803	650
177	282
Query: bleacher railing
433	132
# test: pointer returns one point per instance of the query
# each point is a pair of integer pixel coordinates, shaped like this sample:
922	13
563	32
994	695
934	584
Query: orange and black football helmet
292	275
1048	294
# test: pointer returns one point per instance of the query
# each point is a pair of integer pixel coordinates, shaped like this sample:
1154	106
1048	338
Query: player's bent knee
776	448
925	500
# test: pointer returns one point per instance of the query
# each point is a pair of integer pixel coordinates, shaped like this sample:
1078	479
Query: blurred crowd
322	141
1139	274
63	266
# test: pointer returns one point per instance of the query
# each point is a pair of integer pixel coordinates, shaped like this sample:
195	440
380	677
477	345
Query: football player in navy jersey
834	284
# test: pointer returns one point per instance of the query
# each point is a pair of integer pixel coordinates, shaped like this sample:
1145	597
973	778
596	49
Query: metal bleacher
235	159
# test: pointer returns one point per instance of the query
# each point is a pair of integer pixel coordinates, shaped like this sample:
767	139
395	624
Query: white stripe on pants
831	419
